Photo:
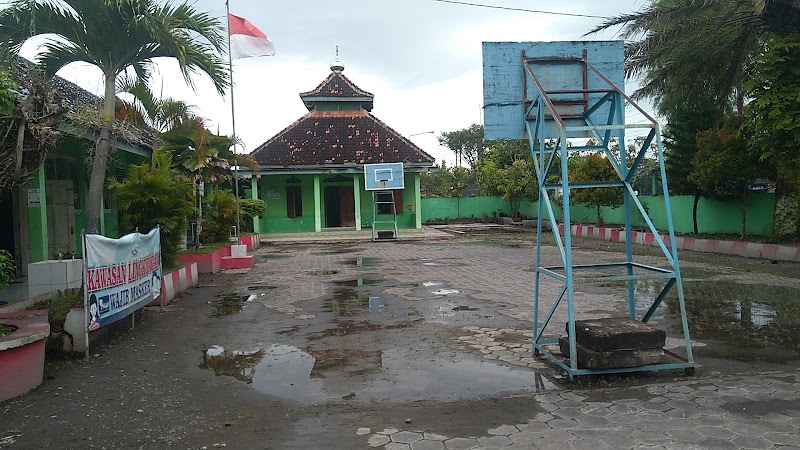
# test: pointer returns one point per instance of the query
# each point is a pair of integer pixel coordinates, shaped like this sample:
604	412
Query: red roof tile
336	85
345	138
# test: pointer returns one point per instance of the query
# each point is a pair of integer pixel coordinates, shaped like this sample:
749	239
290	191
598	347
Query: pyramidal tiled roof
337	85
339	138
347	136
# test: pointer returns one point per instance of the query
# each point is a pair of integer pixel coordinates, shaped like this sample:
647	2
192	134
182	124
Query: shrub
156	196
250	208
219	215
7	268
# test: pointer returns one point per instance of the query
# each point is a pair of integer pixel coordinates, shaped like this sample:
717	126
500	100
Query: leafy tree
467	144
518	183
684	122
436	183
723	166
773	123
594	167
156	195
507	170
122	38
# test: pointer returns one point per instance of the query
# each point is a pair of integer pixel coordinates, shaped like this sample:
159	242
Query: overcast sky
421	59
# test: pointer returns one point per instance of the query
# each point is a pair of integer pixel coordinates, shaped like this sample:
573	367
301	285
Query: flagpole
233	118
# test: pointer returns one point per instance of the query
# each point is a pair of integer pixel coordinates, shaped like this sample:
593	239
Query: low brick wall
177	281
252	242
213	263
748	249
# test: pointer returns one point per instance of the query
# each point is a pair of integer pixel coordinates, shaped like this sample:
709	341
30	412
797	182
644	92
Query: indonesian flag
247	40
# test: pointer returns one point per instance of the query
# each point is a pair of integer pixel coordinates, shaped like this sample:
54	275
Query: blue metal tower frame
591	107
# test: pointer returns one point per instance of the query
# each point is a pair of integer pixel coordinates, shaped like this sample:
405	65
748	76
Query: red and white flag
247	40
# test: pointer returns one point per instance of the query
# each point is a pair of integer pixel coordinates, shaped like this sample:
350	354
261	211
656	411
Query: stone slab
618	333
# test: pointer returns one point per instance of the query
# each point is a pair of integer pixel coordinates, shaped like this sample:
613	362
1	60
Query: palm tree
148	110
687	49
121	37
202	155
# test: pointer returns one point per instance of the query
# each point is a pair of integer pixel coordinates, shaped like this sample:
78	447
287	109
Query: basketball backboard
508	89
383	176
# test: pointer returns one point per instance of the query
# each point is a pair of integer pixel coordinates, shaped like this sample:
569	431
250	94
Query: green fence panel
713	216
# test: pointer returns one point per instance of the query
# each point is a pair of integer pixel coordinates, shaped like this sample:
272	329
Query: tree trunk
744	211
599	219
694	211
100	161
20	143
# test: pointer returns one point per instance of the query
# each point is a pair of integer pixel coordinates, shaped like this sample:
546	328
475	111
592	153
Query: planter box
206	262
224	258
22	352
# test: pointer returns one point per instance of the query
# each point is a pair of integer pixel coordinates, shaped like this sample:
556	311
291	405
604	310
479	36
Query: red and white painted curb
748	249
177	281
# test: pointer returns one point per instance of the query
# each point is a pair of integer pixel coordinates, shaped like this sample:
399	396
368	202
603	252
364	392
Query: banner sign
120	275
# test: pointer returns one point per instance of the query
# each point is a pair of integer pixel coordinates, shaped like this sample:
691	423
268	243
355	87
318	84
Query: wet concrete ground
423	345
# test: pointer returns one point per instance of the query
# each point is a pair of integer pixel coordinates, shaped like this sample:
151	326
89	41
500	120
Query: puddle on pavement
257	287
323	272
274	256
505	244
238	364
349	300
465	308
227	304
339	251
363	262
743	315
343	328
357	282
396	375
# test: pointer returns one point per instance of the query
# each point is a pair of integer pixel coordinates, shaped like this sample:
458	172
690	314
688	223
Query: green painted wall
713	216
273	191
75	148
37	221
468	207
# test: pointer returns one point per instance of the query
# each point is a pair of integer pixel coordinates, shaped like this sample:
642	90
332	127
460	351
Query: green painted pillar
317	205
357	199
37	217
418	200
254	196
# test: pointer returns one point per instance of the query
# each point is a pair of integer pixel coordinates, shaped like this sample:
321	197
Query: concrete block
618	333
385	234
590	359
238	251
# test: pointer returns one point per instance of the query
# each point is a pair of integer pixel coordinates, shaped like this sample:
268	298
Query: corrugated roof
73	96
